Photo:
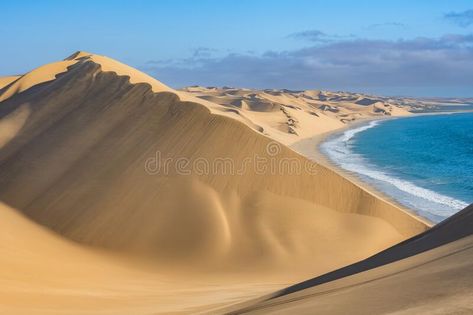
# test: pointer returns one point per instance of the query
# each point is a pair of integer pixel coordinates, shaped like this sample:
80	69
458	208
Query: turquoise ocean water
425	162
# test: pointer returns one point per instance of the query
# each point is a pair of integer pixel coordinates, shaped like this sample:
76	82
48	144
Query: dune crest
40	75
4	81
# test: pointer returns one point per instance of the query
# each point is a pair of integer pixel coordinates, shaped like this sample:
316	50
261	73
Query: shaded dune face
432	267
77	164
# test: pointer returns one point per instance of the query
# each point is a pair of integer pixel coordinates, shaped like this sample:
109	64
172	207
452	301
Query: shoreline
310	148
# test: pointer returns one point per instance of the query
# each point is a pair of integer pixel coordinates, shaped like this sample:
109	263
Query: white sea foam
350	133
433	205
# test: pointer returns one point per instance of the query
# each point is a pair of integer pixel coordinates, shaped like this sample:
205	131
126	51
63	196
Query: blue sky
422	48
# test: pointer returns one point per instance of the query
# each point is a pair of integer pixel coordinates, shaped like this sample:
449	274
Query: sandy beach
321	155
311	149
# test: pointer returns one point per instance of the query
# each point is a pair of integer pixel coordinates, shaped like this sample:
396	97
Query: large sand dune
79	144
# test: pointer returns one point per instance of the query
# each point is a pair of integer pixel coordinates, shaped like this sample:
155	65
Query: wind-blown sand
77	136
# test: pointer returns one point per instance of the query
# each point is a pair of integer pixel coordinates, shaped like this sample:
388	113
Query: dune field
290	116
120	195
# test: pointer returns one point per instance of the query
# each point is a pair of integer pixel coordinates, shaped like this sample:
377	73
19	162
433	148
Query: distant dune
290	116
80	143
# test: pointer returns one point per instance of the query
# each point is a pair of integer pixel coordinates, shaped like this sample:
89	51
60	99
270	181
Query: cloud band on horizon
373	65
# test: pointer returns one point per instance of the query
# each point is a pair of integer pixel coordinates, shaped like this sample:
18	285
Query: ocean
424	163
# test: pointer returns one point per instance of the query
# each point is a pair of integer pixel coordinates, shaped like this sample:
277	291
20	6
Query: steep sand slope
427	274
80	155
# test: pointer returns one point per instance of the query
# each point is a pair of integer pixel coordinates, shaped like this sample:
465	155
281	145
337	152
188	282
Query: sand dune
427	274
292	116
4	81
79	157
42	74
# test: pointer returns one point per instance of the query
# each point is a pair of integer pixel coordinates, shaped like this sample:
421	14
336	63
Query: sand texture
427	274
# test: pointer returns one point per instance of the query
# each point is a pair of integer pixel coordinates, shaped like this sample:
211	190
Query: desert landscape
92	223
236	157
